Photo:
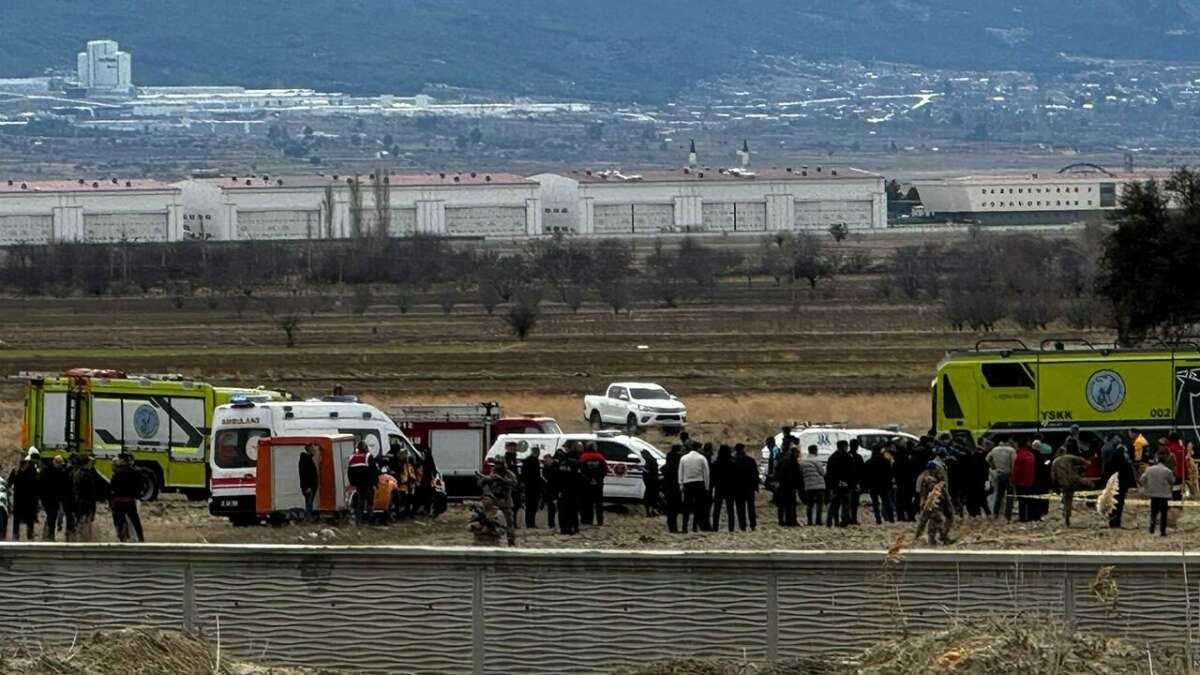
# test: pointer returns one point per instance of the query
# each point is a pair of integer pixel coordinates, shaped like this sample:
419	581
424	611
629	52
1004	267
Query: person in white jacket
693	482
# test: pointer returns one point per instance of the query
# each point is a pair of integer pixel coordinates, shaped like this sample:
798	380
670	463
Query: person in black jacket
126	487
857	474
650	485
57	494
672	499
531	478
877	479
550	485
722	477
787	481
569	482
745	487
23	484
1114	459
839	475
309	478
88	488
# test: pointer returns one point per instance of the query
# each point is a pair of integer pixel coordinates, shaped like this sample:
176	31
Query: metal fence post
772	617
477	624
1069	599
189	599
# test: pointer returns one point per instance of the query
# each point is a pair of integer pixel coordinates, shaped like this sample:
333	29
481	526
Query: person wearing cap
126	488
595	470
23	486
57	496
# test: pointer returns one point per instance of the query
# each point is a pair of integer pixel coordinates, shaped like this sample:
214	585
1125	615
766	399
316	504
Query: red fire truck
460	434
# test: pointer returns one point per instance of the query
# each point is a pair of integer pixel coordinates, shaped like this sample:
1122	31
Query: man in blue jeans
1000	461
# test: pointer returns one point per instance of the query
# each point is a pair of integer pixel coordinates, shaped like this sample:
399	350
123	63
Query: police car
826	439
623	454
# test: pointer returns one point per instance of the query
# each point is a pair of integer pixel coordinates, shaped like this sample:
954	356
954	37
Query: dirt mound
131	652
1018	646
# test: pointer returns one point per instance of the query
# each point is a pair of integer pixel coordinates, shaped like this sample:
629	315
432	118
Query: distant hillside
615	49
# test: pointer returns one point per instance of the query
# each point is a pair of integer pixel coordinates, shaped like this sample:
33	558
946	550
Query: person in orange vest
363	476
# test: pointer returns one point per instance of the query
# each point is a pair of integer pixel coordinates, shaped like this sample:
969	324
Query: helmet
33	453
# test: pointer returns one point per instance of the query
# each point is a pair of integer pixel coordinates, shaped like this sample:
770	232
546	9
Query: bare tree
383	203
356	207
328	206
289	323
405	299
360	299
489	298
572	296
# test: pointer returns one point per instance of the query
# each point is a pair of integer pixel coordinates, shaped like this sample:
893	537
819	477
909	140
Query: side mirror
674	397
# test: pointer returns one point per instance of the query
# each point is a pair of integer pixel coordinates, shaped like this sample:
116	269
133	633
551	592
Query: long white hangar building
100	211
323	207
711	200
469	204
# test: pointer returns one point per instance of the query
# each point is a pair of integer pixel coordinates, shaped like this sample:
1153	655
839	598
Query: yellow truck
1008	387
162	421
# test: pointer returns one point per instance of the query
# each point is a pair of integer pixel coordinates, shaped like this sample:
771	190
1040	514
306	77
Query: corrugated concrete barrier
436	610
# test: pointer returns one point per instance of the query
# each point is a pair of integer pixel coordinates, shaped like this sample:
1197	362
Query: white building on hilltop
104	69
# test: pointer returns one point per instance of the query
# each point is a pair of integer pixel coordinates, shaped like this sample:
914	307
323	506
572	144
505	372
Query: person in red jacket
595	469
1180	455
1023	475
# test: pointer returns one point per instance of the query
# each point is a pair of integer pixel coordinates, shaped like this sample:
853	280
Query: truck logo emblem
1105	391
145	421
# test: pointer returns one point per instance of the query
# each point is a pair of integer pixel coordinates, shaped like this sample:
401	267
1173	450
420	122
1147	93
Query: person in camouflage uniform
1067	472
485	522
937	512
500	487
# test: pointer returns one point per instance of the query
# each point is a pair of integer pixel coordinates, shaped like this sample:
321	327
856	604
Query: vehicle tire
3	524
439	504
631	425
150	483
596	422
243	521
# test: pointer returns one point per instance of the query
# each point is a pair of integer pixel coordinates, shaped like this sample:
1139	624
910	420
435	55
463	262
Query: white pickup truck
633	406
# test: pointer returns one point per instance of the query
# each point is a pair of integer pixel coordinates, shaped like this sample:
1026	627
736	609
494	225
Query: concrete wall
505	611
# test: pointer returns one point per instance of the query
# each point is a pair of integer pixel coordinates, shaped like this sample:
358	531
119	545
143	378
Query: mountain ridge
617	50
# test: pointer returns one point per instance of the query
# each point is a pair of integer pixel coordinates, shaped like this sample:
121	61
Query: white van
623	454
237	428
827	438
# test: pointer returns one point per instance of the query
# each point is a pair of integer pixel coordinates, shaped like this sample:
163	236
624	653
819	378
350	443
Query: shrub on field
360	299
839	232
489	297
405	299
447	299
572	297
524	312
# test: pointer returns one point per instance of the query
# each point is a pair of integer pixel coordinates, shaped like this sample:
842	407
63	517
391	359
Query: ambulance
161	420
238	427
1007	387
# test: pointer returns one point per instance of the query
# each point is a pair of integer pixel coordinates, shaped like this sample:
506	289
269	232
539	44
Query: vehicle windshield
648	394
549	427
237	448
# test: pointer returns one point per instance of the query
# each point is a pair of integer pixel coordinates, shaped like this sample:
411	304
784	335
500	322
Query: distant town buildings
104	69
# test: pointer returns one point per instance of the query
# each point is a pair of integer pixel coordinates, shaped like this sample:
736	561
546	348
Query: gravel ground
175	520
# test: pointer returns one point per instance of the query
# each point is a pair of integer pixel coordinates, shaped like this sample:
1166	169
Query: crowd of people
931	482
64	495
407	476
